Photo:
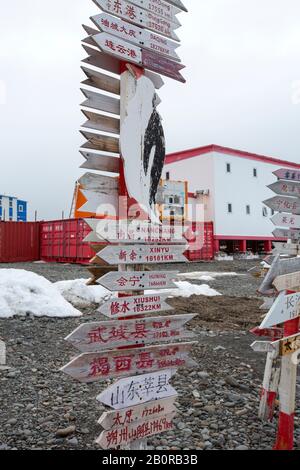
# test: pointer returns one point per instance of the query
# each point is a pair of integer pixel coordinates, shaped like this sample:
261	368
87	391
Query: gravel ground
218	401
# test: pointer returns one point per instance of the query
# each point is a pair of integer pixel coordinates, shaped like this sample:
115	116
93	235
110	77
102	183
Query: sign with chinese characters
93	367
290	205
148	254
279	267
138	390
287	281
139	305
285	308
287	174
133	14
134	432
125	416
138	280
292	249
292	234
286	188
286	220
289	345
97	336
159	8
138	36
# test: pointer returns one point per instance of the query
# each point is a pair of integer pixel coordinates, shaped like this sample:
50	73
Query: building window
168	175
255	172
228	168
265	212
229	208
10	203
248	210
21	209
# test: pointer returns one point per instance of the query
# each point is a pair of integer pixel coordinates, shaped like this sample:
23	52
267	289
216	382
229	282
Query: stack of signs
283	283
134	42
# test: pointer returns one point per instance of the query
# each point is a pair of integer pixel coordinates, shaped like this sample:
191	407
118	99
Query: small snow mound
186	289
207	276
80	295
23	292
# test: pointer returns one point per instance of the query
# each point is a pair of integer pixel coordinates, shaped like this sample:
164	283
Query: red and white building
231	184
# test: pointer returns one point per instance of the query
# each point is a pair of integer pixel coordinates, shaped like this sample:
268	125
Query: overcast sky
242	62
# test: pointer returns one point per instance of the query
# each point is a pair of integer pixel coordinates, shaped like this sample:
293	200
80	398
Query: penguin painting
142	143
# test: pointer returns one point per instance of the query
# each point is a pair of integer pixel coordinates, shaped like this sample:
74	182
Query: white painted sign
100	142
287	281
135	35
100	202
138	280
133	14
290	205
279	267
125	416
159	8
98	336
138	390
287	174
286	220
262	346
286	188
129	306
95	161
292	249
101	102
292	234
135	431
101	123
94	367
143	254
285	308
94	182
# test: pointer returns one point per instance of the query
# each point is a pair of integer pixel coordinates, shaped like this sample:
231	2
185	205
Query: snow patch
23	292
207	276
186	289
80	295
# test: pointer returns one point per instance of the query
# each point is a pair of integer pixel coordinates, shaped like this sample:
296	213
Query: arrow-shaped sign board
178	4
138	280
100	202
101	102
138	36
132	414
98	336
292	249
95	161
268	302
287	174
133	14
94	182
289	345
286	220
290	205
137	390
263	346
279	267
129	306
132	432
285	308
287	281
161	8
126	51
101	123
95	367
143	254
292	234
286	188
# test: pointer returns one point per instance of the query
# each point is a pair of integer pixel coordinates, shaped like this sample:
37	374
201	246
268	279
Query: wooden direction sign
126	51
292	234
98	336
93	367
279	267
289	345
178	4
286	188
159	8
122	436
285	308
101	102
101	81
100	162
290	205
100	142
287	174
101	202
101	123
133	14
129	306
292	249
263	347
131	414
287	281
94	182
268	302
138	280
138	36
138	390
286	220
143	254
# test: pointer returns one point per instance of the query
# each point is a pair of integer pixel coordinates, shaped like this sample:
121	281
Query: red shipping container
62	241
207	251
19	241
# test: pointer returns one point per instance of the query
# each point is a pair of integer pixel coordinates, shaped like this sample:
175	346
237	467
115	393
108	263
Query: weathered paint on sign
143	304
138	280
98	336
94	182
95	161
287	174
286	220
148	254
279	267
287	281
292	234
292	249
285	308
286	188
95	367
139	389
290	205
125	416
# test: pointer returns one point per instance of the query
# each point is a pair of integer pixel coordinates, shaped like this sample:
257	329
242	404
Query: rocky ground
41	408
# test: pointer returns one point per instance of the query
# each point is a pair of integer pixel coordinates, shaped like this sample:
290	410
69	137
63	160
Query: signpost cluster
282	283
134	43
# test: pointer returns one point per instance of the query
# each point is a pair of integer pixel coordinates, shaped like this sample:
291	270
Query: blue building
12	209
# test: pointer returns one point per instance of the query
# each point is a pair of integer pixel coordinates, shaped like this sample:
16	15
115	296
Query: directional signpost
286	220
284	204
135	41
285	308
